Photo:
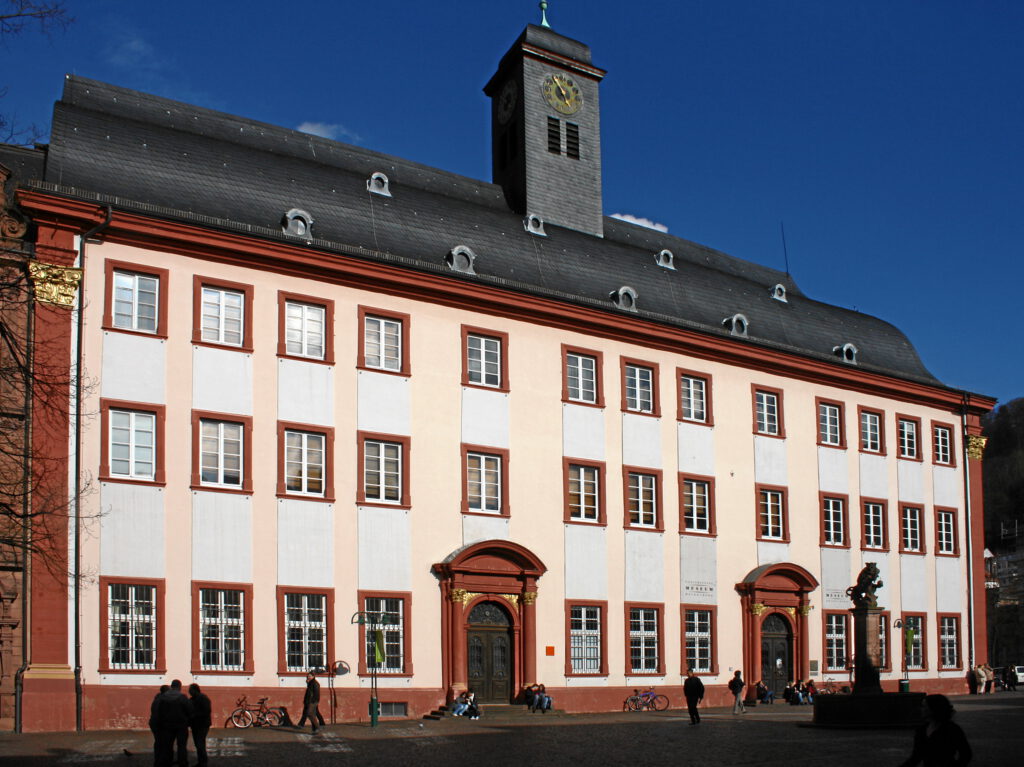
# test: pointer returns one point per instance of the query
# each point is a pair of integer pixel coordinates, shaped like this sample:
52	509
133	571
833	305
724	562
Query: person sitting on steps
541	700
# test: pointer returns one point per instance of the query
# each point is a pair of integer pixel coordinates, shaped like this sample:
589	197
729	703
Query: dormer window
779	293
534	225
378	184
624	298
461	259
737	325
846	352
298	223
665	259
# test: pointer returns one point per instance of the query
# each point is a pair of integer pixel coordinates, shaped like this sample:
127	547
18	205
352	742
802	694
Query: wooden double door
489	653
776	653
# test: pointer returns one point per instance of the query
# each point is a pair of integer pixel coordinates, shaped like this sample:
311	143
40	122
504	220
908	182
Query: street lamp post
373	622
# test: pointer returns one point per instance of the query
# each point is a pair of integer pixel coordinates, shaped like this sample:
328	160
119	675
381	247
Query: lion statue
863	592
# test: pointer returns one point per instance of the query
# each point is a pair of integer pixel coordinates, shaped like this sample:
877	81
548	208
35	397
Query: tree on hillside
1004	470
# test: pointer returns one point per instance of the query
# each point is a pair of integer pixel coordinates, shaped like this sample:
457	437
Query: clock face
507	101
562	94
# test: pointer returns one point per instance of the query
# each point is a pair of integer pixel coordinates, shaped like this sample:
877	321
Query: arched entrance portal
488	618
776	603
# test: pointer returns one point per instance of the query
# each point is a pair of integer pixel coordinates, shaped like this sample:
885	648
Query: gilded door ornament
790	611
55	284
757	608
529	597
976	446
805	610
460	595
512	598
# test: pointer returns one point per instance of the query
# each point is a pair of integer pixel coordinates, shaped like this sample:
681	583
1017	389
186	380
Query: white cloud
640	221
333	131
132	52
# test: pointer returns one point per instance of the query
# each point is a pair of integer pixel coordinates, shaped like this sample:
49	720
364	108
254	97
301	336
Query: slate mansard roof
161	157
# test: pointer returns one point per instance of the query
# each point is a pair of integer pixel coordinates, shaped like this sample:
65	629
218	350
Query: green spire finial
544	15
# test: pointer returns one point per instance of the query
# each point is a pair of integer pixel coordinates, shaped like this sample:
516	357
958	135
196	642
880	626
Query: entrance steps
499	712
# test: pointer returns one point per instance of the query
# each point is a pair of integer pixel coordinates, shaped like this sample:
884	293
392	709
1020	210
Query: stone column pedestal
866	650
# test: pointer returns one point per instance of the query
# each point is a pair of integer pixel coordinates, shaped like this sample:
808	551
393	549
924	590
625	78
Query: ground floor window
835	641
385	634
699	647
643	640
305	630
913	641
131	626
222	629
949	641
585	639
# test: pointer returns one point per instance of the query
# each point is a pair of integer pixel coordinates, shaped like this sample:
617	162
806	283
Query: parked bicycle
260	715
647	700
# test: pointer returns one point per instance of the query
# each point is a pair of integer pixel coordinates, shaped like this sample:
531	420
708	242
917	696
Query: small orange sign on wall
549	650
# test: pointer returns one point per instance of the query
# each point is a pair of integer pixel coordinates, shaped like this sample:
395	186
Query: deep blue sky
886	134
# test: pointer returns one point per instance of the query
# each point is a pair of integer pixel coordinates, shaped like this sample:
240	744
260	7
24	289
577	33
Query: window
586	639
945	532
385	637
222	629
835	641
572	141
949	641
909	431
874	536
697	504
384	341
644	640
643	504
833	521
771	514
694	397
221	453
639	394
223	315
830	424
942	443
484	363
306	460
698	627
554	135
485	474
871	434
305	620
913	642
130	451
384	474
135	299
883	641
768	412
584	492
910	530
304	330
132	616
581	377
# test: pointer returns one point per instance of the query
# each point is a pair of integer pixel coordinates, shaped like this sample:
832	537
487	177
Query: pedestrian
939	741
152	719
972	682
311	703
200	722
1012	679
693	691
173	712
472	710
764	695
990	678
979	676
736	685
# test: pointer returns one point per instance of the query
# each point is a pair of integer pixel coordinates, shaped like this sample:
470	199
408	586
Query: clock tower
546	130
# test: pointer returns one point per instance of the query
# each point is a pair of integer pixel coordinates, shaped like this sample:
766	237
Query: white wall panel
947	487
914	584
385	549
384	403
221	537
586	562
835	578
485	417
696	448
134	368
698	570
132	530
641	441
770	461
305	543
874	476
950	596
833	475
769	553
645	566
305	392
583	432
911	481
479	528
221	380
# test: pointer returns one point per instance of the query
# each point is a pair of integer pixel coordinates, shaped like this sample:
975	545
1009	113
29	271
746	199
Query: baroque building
347	411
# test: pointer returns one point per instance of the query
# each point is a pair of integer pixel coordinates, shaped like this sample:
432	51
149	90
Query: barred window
585	639
385	634
698	640
305	629
131	626
835	641
643	640
913	638
222	629
949	641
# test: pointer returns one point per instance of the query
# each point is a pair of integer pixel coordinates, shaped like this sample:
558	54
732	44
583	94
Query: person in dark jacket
939	742
172	714
311	703
736	685
693	691
200	722
152	720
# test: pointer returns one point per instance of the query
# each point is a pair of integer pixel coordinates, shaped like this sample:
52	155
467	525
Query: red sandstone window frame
248	664
282	480
922	540
624	363
198	283
159	441
712	530
861	410
924	640
283	299
659	517
406	598
602	505
406	443
503	500
659	607
405	320
282	639
919	453
762	488
709	412
602	605
956	532
822	497
885	524
822	402
951	463
163	278
959	641
847	639
713	609
160	662
246	422
502	339
598	358
780	432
